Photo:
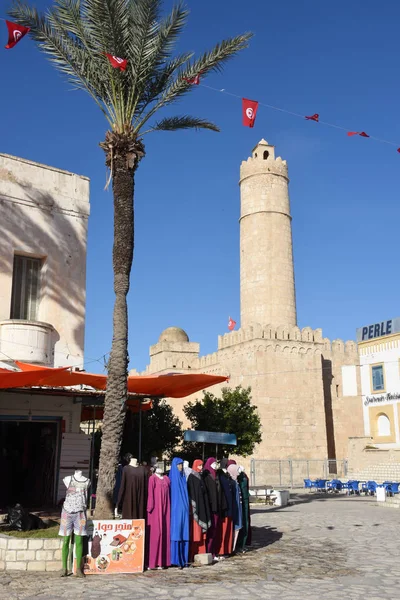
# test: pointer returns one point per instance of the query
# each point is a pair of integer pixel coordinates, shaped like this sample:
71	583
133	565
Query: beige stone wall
344	416
44	213
366	463
267	293
17	554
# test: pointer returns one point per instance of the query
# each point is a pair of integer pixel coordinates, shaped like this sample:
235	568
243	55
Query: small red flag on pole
249	111
313	118
231	324
15	33
116	62
398	150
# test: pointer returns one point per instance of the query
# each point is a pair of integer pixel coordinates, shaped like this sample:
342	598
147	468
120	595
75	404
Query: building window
25	288
383	426
377	377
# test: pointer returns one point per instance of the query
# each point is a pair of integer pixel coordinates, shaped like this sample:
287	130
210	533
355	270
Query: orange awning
88	412
174	385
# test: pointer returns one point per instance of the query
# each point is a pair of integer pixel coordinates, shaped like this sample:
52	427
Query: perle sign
378	330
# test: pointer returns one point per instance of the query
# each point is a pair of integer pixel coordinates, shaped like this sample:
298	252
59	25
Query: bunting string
249	107
315	117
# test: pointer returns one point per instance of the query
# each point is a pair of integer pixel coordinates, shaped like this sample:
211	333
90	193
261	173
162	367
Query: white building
43	230
379	349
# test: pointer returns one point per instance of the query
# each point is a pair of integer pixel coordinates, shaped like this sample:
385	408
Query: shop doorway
28	456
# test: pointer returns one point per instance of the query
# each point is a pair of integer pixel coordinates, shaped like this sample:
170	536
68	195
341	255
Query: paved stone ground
333	547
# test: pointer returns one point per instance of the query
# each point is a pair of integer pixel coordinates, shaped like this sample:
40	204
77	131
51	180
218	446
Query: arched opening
265	155
383	425
255	154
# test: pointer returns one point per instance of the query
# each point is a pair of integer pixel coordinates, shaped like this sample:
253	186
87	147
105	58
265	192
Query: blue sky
338	59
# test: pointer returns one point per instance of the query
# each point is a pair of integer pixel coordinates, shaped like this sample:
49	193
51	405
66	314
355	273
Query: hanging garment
158	522
237	516
133	492
225	545
245	533
73	514
200	514
118	480
95	550
218	505
179	515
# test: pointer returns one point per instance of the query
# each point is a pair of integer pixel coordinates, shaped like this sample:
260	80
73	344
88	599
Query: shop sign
384	398
115	547
377	330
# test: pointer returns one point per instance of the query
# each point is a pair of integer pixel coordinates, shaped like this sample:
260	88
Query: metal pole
216	451
140	431
92	459
203	452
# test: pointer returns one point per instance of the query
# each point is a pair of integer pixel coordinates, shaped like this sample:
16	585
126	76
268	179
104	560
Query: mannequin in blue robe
179	515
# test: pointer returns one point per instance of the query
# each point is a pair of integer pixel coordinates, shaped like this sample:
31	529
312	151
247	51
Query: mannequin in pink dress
158	521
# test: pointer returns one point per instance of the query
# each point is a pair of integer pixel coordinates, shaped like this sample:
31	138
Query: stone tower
267	291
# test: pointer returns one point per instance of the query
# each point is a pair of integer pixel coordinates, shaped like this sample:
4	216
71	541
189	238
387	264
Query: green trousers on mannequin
78	554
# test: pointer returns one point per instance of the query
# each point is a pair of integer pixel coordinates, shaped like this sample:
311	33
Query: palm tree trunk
116	393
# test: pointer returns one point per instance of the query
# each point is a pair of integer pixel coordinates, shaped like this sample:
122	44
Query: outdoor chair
353	487
335	485
369	488
392	488
320	485
308	484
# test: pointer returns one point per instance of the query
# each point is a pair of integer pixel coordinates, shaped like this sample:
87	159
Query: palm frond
208	62
183	122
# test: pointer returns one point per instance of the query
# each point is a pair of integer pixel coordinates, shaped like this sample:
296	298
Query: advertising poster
115	547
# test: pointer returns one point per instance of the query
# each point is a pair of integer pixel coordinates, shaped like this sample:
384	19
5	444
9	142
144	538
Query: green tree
161	431
76	35
232	413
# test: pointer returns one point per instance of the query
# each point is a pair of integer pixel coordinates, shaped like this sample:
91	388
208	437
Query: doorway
28	454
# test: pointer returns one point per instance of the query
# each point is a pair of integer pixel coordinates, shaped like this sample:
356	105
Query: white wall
388	353
44	213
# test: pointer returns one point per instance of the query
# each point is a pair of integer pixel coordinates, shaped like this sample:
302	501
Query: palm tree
77	35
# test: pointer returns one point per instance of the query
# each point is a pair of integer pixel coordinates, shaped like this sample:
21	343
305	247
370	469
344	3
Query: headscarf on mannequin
197	467
223	463
208	467
231	462
233	471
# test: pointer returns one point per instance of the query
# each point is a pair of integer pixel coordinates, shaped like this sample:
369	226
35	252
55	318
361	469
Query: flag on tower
15	33
116	62
249	111
313	117
231	324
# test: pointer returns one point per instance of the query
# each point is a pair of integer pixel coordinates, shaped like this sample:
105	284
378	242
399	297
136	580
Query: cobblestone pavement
316	548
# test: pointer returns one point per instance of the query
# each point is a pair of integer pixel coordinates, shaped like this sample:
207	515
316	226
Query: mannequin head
153	461
179	466
214	465
223	464
197	466
159	471
233	471
128	458
240	469
185	464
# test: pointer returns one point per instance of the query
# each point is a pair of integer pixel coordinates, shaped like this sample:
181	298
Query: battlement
263	161
270	332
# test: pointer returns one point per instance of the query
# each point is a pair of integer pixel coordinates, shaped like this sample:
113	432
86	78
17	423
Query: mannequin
237	516
73	519
158	522
217	502
200	512
179	515
244	538
229	489
133	491
186	469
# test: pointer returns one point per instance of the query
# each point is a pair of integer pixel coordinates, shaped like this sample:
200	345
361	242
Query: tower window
265	155
25	287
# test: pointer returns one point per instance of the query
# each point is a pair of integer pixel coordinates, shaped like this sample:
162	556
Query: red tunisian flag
362	133
192	80
231	324
116	62
249	111
15	33
313	117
